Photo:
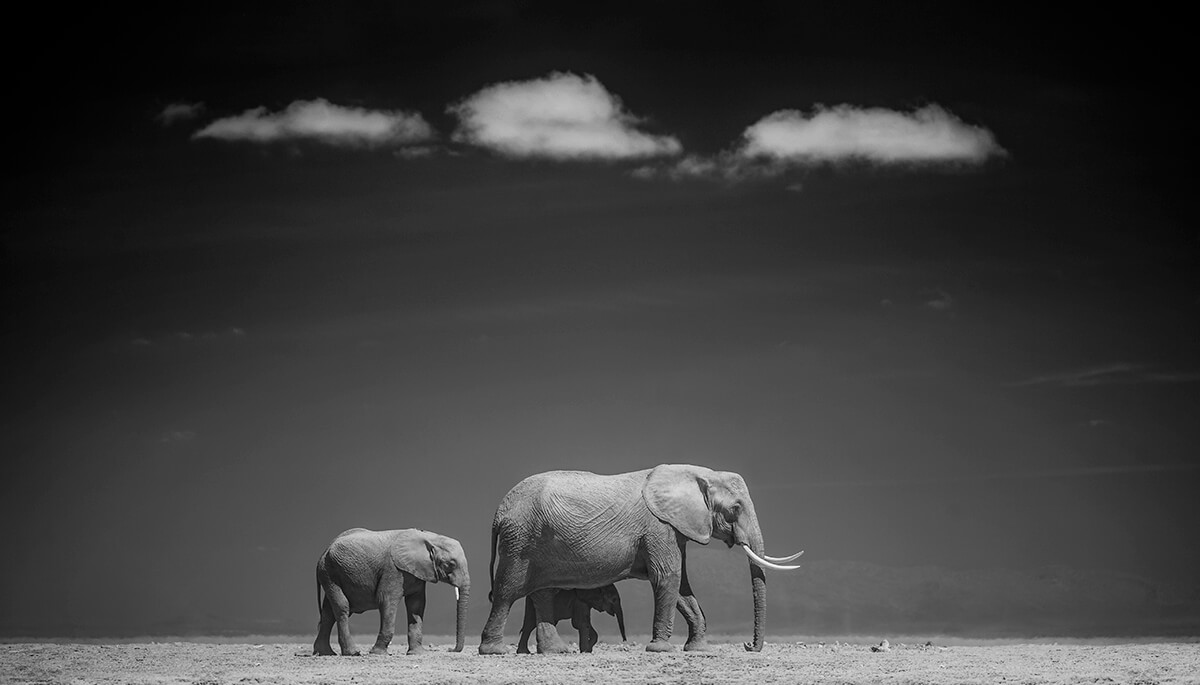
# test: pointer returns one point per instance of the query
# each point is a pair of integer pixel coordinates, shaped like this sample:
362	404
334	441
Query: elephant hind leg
340	606
548	639
321	646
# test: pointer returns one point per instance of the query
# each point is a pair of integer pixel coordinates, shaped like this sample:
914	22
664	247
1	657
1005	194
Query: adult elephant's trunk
758	580
460	624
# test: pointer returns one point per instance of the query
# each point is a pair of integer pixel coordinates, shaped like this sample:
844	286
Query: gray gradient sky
220	350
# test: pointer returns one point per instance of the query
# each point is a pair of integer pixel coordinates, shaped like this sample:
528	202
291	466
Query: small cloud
178	436
140	342
322	121
794	187
929	135
562	116
184	335
416	151
237	332
943	302
1111	374
179	111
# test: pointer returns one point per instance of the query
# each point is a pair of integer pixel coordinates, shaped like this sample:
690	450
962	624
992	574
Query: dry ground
780	662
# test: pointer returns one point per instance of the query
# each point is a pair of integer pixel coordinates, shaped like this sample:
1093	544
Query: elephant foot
660	646
697	645
750	647
416	649
558	647
352	652
522	649
493	648
324	651
379	651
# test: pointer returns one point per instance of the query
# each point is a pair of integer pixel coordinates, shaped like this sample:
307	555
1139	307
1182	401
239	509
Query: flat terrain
783	662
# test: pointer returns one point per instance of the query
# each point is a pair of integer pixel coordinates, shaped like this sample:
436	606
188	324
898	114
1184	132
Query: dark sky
220	351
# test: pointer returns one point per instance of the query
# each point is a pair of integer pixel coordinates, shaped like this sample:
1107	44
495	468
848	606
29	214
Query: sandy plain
289	663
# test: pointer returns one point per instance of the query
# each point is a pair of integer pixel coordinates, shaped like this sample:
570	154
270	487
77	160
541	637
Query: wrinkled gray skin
366	569
577	605
573	529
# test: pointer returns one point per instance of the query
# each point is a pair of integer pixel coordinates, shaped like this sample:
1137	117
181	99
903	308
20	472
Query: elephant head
702	504
436	559
605	599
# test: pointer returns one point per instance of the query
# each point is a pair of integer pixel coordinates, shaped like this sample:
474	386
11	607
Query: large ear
678	494
413	553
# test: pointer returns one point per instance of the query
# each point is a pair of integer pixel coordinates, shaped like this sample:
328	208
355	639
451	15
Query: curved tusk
780	560
456	593
763	562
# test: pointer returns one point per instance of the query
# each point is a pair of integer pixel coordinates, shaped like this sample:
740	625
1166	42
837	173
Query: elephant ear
678	494
416	555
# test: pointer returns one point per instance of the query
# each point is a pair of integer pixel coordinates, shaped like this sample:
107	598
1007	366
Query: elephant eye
734	512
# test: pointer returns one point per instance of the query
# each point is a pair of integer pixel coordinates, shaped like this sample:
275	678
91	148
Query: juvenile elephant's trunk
620	619
460	624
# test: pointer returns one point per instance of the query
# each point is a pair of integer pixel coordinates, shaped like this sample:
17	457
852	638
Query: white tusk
780	560
763	562
456	593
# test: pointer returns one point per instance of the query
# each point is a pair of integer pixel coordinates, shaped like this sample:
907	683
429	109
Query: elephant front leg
414	605
663	571
387	626
689	606
547	635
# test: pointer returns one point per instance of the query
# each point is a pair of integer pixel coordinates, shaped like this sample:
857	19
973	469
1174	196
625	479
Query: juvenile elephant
577	605
573	529
366	569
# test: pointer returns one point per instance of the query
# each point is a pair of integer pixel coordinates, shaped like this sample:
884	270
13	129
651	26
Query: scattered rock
882	647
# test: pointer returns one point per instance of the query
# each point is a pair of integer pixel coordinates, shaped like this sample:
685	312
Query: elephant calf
366	569
577	605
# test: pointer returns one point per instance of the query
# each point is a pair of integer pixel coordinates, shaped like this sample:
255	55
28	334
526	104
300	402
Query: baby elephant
366	569
577	605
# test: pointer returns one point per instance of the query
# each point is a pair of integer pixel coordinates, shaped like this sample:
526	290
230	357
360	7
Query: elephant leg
341	613
581	620
414	605
593	638
689	606
507	587
321	646
662	569
547	635
387	623
527	627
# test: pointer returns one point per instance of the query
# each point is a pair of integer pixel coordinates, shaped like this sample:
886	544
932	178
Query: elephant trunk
758	583
620	619
460	624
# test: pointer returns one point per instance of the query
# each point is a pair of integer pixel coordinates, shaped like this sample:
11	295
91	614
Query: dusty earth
779	662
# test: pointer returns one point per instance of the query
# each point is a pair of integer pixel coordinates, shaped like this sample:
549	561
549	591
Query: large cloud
930	135
562	116
323	121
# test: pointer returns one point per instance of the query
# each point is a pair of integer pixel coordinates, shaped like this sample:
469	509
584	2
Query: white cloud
179	111
930	135
323	121
1112	374
561	116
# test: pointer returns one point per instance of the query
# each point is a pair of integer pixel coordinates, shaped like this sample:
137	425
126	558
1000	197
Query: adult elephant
577	605
366	569
573	529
